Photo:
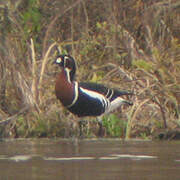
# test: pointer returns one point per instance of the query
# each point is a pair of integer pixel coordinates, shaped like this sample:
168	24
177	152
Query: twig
132	115
109	74
34	68
44	62
14	117
162	112
86	17
72	32
50	27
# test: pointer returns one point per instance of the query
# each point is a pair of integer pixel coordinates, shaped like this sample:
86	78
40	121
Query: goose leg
100	124
81	124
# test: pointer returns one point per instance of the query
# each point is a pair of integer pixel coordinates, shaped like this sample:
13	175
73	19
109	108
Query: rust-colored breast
63	89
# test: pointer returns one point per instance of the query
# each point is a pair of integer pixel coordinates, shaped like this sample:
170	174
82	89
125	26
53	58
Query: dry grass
130	45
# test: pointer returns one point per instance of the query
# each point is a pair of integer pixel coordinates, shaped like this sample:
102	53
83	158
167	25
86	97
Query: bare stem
43	66
34	69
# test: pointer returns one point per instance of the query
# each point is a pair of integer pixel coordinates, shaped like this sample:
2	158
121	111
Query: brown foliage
127	44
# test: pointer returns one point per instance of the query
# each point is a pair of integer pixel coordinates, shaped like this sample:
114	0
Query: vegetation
132	44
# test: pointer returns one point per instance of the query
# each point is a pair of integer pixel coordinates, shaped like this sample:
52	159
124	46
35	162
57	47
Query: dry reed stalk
34	88
131	116
86	17
72	32
43	66
156	100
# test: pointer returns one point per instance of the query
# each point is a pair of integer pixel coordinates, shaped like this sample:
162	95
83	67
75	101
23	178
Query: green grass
115	127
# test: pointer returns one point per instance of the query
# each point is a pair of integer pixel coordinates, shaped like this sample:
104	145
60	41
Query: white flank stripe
112	92
107	93
115	104
96	95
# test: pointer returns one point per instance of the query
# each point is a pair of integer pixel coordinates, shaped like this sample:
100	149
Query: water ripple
17	158
67	159
20	158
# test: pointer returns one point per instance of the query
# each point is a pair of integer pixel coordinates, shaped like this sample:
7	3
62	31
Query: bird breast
64	89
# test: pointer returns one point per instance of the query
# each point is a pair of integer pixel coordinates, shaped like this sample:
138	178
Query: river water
103	159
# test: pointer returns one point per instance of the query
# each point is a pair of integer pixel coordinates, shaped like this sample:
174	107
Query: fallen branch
14	117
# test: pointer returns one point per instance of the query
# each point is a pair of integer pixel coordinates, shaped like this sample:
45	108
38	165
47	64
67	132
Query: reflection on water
111	156
89	159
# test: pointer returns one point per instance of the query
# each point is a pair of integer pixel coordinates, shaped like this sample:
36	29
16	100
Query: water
89	160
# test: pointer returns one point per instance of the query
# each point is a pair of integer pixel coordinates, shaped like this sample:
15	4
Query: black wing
109	93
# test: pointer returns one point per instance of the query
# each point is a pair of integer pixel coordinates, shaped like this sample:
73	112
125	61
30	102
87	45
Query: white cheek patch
58	60
66	58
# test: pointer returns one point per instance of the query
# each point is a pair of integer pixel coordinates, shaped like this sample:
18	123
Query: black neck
70	75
